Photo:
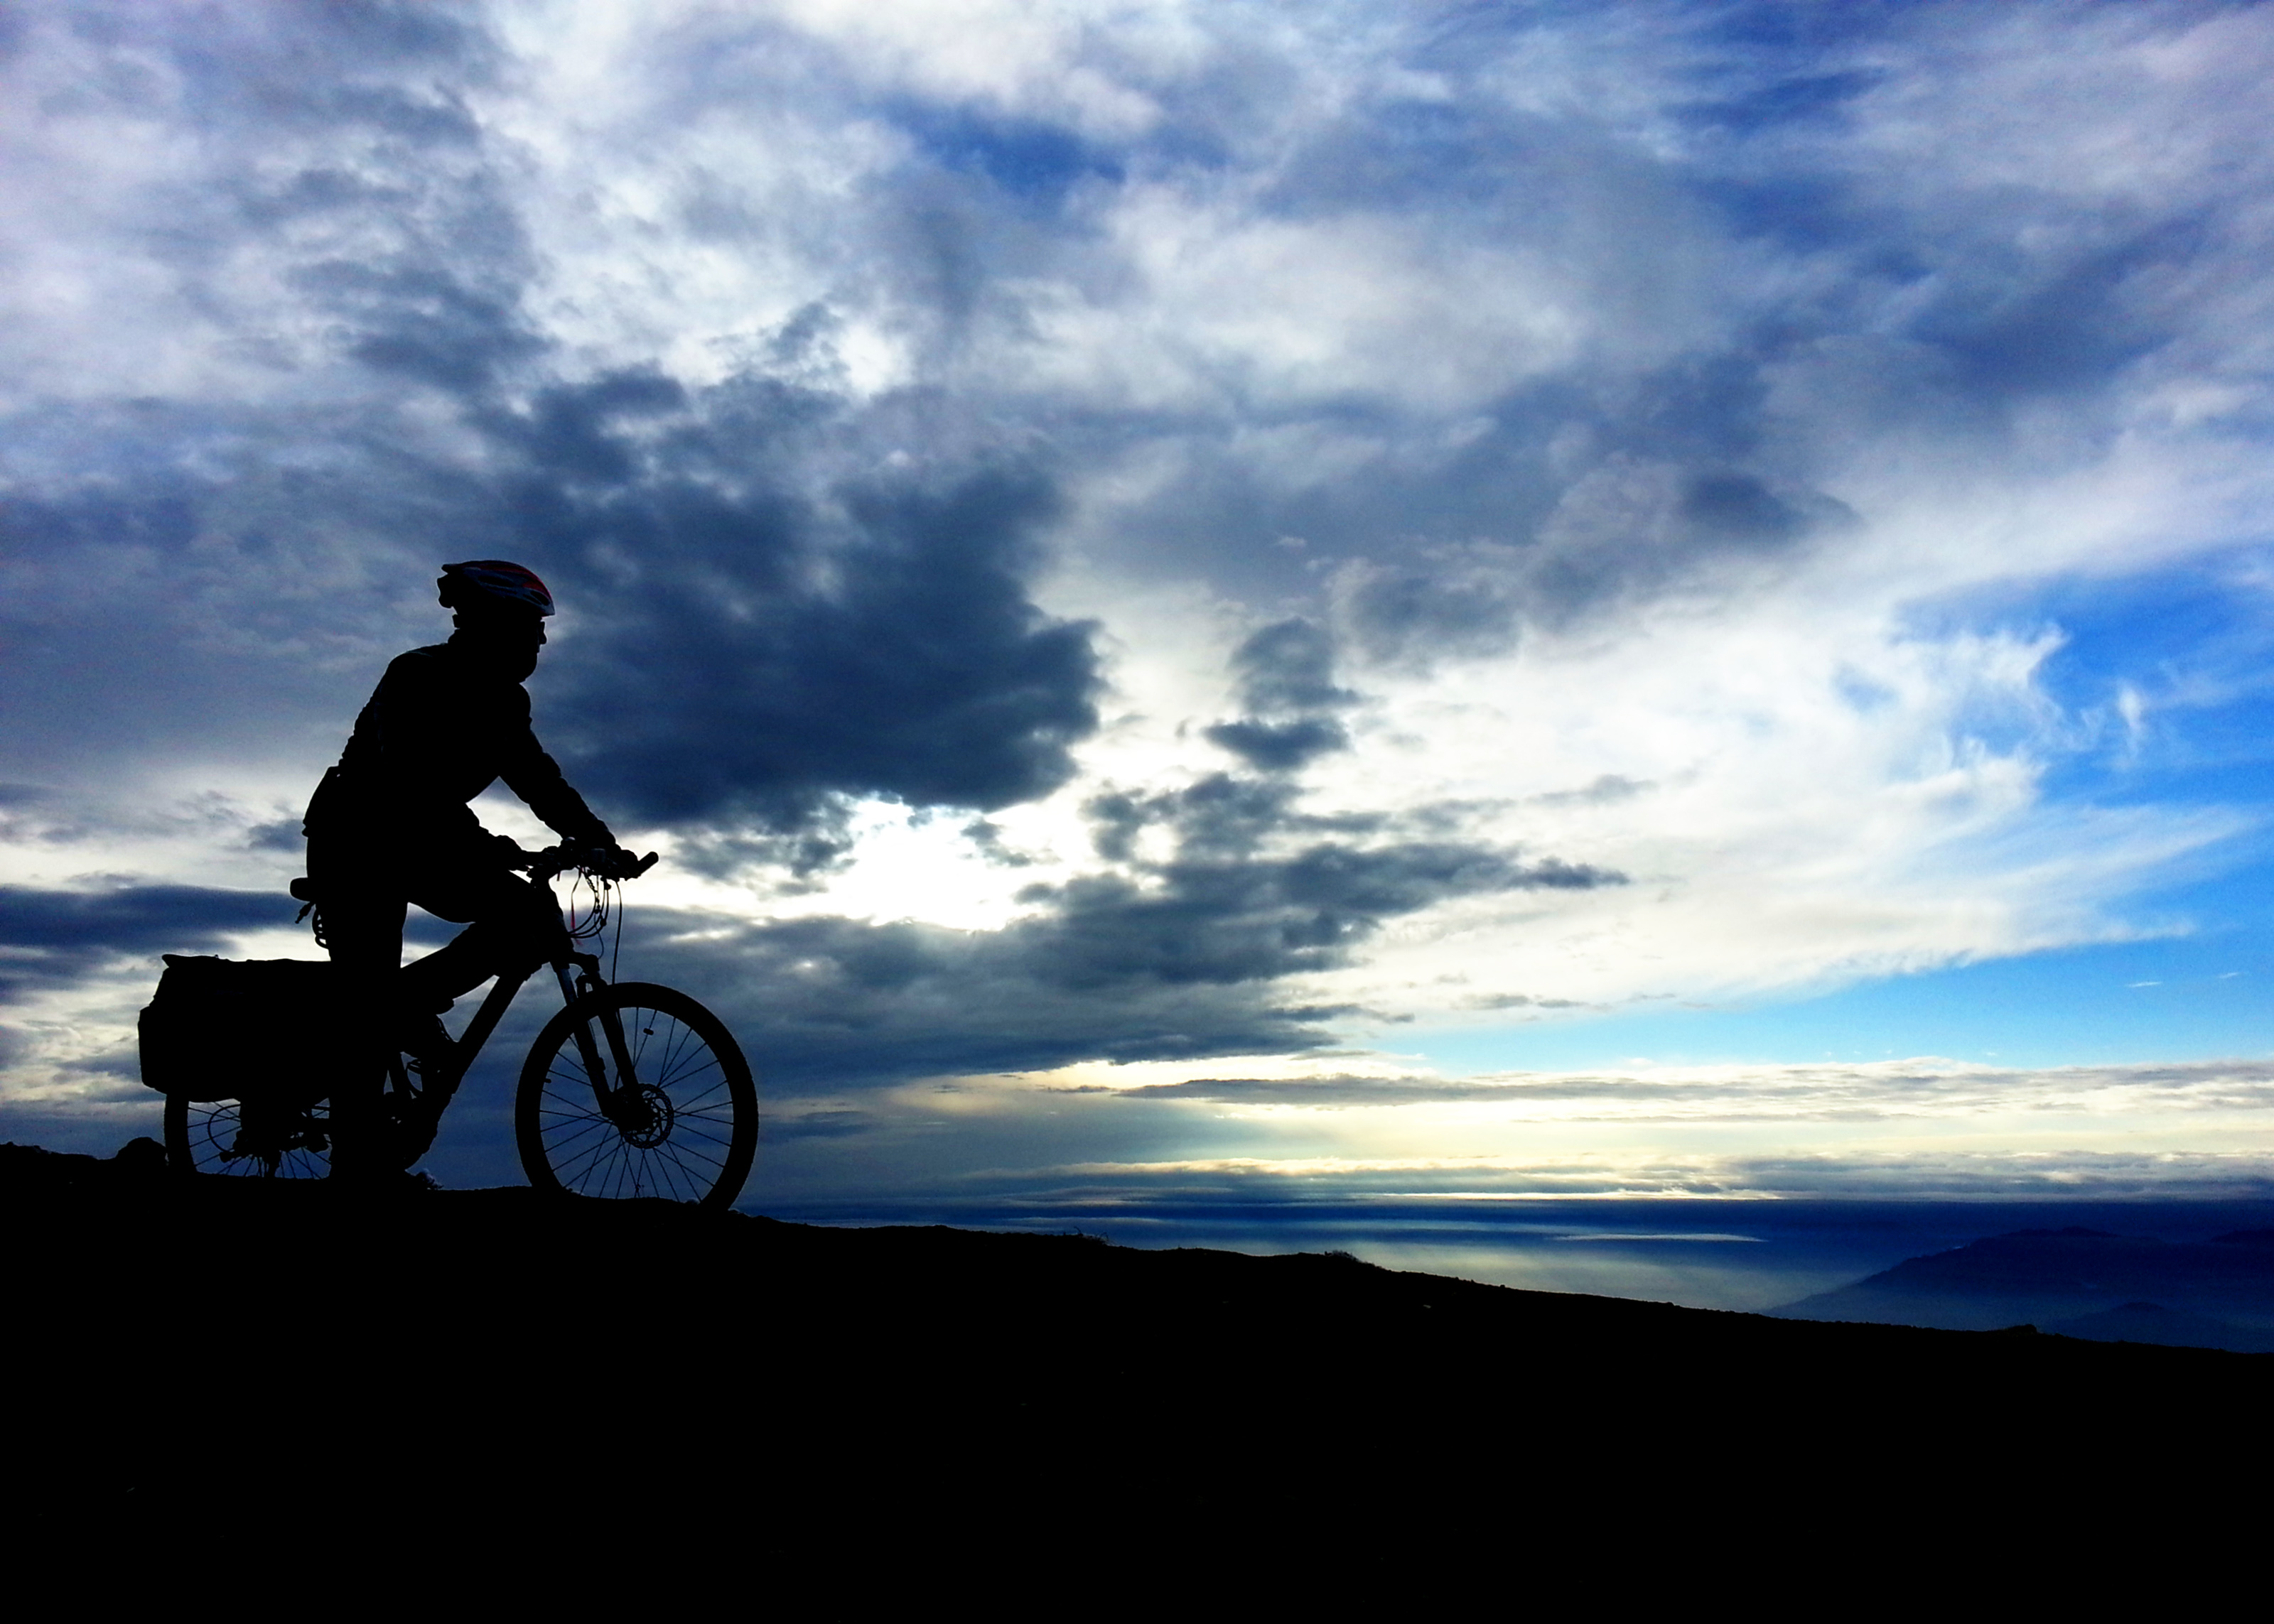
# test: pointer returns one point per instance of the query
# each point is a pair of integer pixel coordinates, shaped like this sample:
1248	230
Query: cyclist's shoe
413	1131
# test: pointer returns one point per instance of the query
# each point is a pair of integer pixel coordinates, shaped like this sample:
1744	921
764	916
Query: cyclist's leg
511	927
363	930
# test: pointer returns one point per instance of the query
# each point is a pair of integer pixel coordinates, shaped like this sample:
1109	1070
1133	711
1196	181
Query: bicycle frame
622	1102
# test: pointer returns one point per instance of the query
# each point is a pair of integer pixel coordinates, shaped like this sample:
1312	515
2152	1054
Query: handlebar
555	860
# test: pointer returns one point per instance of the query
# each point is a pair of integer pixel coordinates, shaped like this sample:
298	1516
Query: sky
1349	610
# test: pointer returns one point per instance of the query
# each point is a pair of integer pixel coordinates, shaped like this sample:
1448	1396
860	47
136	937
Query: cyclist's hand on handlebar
612	861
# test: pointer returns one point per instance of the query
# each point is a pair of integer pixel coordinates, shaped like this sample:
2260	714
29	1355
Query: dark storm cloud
1289	666
54	938
772	613
2070	324
1181	960
755	649
739	653
1286	679
1631	529
1252	920
1280	746
828	1004
1221	816
1575	499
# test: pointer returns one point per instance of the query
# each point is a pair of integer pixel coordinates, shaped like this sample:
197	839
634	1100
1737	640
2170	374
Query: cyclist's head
492	588
500	610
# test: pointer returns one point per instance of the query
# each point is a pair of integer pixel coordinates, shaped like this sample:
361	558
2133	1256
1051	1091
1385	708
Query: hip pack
243	1029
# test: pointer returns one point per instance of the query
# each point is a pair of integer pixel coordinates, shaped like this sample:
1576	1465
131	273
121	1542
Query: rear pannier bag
240	1029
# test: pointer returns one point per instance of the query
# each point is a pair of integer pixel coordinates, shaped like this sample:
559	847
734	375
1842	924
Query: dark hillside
277	1347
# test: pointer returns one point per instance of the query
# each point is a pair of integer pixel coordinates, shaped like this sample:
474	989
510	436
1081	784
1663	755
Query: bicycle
632	1089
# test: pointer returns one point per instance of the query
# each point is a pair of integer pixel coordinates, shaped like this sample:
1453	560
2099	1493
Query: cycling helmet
496	580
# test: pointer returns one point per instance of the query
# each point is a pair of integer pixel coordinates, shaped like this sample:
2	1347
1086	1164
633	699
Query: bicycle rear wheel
688	1129
234	1140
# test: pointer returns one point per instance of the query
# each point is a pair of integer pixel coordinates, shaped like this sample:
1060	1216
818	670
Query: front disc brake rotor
645	1121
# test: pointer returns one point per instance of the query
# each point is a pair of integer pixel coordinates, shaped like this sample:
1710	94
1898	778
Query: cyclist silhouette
389	826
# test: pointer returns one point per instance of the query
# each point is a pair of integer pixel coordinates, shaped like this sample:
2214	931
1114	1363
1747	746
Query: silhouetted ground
272	1354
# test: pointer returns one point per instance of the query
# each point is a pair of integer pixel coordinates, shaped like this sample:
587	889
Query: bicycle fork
625	1102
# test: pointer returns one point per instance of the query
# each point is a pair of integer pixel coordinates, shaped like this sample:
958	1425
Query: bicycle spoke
700	1181
691	1150
596	1171
680	1079
605	1163
679	1153
680	1038
665	1166
687	1067
699	1177
686	1098
582	1165
583	1153
567	1129
597	1179
712	1105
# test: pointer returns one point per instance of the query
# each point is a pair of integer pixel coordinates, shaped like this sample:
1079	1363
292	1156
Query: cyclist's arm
535	777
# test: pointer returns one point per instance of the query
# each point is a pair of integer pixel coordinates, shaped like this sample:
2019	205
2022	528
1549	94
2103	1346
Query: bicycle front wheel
683	1126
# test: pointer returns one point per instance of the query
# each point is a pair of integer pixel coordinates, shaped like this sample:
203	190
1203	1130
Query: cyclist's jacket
441	729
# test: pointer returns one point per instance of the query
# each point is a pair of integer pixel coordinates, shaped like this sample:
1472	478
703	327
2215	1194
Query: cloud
826	1005
52	940
1888	1091
55	938
754	656
1202	954
1287	677
1957	1175
911	408
1288	668
1279	746
774	613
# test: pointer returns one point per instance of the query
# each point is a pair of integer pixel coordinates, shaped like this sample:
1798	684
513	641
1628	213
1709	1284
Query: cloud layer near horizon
1099	535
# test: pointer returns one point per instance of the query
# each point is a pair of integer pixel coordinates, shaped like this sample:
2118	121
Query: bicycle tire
205	1137
702	1132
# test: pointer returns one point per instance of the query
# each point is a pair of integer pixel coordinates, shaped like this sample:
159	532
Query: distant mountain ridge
2078	1282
